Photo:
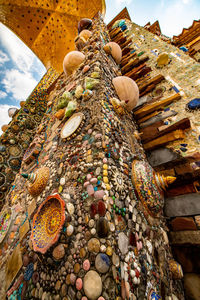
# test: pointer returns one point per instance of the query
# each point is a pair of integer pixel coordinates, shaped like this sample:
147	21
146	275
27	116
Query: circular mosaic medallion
71	125
5	221
47	223
150	195
15	151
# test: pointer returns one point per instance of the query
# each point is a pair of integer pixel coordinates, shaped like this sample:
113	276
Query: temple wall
90	226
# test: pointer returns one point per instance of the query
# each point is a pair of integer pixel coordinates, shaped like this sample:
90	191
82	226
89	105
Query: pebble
93	245
59	252
92	285
70	208
70	230
62	181
86	265
123	243
79	284
102	263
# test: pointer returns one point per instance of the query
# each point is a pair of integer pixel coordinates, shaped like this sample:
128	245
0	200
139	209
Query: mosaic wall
20	132
86	223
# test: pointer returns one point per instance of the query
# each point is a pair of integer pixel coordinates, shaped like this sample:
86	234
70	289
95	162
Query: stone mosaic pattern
16	139
108	247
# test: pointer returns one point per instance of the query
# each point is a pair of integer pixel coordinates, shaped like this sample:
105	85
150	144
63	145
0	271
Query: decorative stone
109	250
82	253
62	181
194	104
58	252
91	83
115	259
123	243
92	285
93	245
70	208
99	194
102	227
79	284
86	68
70	230
72	278
78	92
102	263
76	268
90	190
86	265
101	208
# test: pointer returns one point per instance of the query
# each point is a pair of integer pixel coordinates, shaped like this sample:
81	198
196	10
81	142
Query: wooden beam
191	237
141	112
152	132
182	205
163	140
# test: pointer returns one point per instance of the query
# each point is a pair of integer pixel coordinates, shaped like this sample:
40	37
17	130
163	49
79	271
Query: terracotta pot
127	91
71	61
115	50
86	34
84	24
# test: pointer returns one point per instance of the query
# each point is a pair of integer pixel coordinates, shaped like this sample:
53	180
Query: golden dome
48	27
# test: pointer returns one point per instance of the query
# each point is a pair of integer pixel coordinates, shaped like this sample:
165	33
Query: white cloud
123	2
5	119
2	94
20	84
186	1
24	59
3	57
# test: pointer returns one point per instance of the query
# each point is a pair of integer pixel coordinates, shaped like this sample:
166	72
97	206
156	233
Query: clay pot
127	91
71	61
86	34
115	50
84	24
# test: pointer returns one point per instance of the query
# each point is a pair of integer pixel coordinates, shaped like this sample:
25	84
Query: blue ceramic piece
155	296
194	104
29	272
184	49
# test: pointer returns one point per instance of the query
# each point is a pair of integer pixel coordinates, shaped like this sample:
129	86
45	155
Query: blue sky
20	70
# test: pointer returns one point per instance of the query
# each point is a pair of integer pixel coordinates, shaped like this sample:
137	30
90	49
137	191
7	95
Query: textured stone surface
92	285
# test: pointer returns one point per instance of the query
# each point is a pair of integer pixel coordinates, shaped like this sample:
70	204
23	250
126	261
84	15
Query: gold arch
48	27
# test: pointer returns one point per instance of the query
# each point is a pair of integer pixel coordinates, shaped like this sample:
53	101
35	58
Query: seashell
86	34
115	50
72	61
127	91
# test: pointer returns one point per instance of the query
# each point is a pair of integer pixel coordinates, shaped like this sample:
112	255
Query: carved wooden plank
145	70
185	237
126	43
154	80
158	117
142	120
126	58
141	112
133	64
163	140
115	32
182	205
181	190
154	132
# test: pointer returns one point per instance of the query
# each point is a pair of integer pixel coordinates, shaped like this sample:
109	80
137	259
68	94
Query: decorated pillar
87	221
